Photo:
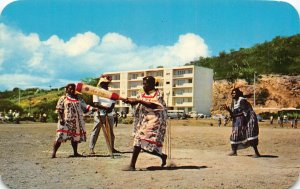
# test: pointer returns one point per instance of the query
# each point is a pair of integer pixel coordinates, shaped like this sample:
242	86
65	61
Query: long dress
245	128
74	127
150	124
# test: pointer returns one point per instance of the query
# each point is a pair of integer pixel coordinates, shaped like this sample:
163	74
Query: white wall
203	83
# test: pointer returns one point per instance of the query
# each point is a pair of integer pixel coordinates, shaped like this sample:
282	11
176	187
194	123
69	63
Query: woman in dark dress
245	128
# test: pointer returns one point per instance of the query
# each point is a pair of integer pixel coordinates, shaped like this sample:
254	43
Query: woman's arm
139	101
225	107
60	110
61	119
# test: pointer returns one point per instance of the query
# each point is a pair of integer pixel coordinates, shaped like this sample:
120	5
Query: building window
133	93
180	92
180	72
168	82
116	77
180	101
114	86
180	82
134	76
190	81
160	74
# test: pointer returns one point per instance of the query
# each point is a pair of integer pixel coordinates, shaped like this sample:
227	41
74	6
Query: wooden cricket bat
106	134
88	89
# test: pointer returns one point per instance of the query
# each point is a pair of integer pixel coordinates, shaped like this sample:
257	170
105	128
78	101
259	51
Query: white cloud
115	41
35	60
81	43
189	47
30	43
54	61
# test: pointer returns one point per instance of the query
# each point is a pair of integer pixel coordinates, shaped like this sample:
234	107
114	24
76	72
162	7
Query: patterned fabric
150	124
74	127
244	127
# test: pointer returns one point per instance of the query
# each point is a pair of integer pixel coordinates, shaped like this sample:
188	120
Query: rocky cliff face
271	91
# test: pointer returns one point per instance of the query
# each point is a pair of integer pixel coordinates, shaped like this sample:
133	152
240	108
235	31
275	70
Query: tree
90	81
6	105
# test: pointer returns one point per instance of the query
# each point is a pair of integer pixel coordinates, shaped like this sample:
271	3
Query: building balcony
140	78
113	89
185	85
190	75
184	104
135	88
183	95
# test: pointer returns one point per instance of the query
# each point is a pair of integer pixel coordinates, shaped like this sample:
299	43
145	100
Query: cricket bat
88	89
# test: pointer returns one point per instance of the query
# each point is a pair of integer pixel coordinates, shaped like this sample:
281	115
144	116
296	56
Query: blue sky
53	42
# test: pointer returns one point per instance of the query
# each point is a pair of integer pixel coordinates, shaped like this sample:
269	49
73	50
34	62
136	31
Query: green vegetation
279	56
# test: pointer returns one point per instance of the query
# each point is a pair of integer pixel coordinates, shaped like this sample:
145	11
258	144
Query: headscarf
104	78
238	92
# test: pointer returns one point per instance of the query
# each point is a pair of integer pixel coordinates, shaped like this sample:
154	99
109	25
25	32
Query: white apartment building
186	88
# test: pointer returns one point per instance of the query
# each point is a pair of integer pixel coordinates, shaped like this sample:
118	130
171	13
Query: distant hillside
279	56
273	91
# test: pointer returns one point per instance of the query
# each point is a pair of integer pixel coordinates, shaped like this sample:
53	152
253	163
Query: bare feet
53	155
256	155
232	153
128	168
92	152
78	155
115	151
164	160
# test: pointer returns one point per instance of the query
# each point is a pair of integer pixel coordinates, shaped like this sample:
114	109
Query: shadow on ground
158	168
265	156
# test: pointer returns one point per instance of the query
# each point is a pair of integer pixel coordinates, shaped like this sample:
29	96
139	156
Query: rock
284	91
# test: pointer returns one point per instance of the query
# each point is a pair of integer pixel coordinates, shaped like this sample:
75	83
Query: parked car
194	114
217	116
176	114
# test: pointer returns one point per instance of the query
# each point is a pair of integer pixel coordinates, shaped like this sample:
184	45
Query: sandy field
198	159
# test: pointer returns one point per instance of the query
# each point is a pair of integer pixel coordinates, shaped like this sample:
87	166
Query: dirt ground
198	159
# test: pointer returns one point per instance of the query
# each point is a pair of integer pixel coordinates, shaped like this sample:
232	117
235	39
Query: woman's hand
131	101
62	122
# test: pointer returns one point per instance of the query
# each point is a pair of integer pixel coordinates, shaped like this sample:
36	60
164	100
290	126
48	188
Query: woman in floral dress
245	128
150	117
71	125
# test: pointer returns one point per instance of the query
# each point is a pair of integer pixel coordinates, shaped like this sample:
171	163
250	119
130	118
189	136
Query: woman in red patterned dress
150	124
71	125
